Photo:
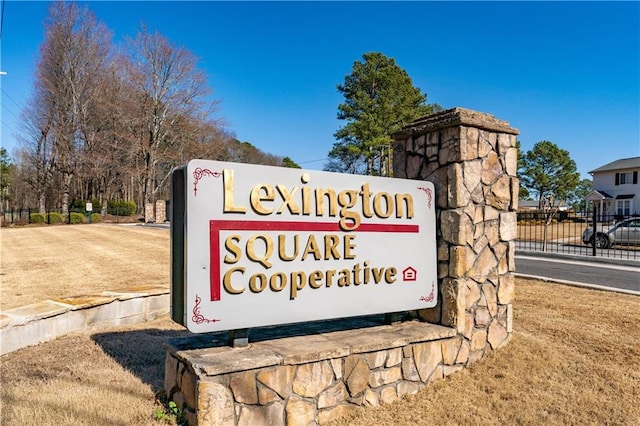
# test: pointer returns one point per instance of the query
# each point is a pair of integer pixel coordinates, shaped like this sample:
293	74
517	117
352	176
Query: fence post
594	223
29	215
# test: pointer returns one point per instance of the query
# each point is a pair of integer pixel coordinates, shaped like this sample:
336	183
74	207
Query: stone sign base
308	373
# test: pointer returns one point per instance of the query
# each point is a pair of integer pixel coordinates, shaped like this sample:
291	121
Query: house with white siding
616	191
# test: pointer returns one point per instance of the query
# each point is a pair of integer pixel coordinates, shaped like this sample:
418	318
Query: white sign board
88	207
269	245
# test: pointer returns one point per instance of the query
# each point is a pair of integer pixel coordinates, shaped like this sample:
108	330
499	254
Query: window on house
627	178
623	207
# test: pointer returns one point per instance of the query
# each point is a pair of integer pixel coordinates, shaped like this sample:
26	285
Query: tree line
110	122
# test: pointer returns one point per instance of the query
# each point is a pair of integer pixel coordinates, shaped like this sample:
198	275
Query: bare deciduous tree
169	87
106	124
72	61
37	156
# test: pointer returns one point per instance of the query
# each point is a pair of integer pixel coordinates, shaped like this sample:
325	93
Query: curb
583	258
578	284
41	322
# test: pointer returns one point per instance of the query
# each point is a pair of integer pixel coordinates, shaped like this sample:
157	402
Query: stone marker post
161	211
471	158
149	213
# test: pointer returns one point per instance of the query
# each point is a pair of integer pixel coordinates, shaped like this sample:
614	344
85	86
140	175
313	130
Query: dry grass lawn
574	357
567	232
40	263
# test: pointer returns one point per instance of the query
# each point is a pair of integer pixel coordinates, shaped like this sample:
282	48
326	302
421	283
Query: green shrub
76	204
36	218
75	218
121	208
96	218
96	204
131	207
55	218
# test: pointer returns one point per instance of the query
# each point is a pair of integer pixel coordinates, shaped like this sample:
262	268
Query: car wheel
602	241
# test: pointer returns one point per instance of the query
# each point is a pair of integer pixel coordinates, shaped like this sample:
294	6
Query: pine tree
380	98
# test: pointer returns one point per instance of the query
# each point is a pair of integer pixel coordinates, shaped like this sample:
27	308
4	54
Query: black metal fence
16	217
29	216
616	236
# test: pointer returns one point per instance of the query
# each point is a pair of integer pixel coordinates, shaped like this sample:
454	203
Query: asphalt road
588	273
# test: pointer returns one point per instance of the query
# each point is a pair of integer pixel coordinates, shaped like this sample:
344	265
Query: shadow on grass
140	352
143	352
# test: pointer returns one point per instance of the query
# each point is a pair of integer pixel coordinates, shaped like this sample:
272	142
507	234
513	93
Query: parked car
624	232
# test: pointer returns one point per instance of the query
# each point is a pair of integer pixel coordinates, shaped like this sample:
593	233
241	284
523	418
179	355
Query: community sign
256	245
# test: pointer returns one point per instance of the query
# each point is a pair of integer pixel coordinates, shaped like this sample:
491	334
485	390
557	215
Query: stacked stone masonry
471	158
155	213
309	380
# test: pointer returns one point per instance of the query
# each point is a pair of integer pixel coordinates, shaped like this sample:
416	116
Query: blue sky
564	72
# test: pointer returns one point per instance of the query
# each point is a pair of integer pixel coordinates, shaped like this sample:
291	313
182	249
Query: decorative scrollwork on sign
429	195
431	295
199	174
198	318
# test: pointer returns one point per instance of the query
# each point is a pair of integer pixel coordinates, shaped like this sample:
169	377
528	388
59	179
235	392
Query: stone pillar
161	211
471	158
148	213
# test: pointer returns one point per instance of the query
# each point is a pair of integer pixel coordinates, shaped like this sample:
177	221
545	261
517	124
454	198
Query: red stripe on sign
215	226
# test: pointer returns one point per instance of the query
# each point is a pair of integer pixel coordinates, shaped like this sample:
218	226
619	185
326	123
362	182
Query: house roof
625	163
597	196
